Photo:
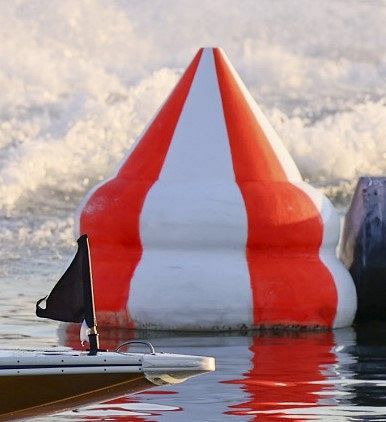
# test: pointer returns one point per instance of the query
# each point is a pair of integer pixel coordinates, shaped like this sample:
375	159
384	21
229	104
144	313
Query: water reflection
284	373
120	409
325	376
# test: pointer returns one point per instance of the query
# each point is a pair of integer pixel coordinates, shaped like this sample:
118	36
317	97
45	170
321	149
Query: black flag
72	299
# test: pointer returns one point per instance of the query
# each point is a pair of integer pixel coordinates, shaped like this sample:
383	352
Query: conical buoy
208	225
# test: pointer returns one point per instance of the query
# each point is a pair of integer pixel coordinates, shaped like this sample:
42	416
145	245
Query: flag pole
89	306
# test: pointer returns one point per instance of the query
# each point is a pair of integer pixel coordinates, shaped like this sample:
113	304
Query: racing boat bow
34	382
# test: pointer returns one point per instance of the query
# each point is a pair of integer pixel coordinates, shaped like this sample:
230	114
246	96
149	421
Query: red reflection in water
282	369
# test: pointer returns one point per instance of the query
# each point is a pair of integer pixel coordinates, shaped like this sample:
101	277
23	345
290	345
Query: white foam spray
80	79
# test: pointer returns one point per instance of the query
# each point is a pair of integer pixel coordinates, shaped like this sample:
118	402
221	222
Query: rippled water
324	376
270	376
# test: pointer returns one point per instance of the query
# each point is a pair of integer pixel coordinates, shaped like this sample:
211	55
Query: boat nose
162	368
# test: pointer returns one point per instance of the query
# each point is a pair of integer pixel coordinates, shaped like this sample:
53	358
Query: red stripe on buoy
111	217
290	284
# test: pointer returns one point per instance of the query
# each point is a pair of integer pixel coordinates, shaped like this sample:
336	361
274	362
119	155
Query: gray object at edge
363	246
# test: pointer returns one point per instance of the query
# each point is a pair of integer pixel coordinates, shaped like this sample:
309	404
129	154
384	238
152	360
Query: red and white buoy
207	225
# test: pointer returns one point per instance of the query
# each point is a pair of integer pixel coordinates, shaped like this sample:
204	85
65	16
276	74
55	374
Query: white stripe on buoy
194	219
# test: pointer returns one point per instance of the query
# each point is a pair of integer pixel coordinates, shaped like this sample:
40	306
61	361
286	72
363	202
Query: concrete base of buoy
363	246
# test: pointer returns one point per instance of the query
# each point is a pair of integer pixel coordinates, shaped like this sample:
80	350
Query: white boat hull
37	382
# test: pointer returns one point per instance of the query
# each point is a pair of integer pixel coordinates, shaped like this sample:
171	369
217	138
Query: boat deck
33	382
